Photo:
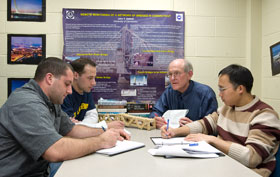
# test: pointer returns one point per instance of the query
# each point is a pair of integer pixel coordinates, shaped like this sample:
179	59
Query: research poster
132	49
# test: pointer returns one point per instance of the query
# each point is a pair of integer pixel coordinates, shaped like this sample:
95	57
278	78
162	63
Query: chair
276	172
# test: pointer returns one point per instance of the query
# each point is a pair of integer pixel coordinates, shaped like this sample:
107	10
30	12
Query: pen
104	129
167	126
193	144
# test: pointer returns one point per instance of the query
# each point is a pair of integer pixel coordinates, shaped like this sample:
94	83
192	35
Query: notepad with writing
121	147
174	116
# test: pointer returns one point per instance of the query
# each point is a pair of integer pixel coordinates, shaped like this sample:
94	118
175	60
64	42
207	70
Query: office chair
276	172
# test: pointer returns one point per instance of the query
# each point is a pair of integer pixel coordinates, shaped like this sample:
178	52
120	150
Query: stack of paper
201	148
177	147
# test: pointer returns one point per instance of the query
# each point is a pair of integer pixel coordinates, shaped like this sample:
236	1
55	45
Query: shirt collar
73	90
249	105
189	89
33	84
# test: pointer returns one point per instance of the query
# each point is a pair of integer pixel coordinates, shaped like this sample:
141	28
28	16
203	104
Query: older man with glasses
184	93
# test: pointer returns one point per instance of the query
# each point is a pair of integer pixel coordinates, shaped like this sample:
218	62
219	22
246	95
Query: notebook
121	147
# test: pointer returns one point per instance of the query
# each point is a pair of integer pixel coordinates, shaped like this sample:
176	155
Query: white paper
177	151
174	116
98	125
171	141
202	147
95	125
121	146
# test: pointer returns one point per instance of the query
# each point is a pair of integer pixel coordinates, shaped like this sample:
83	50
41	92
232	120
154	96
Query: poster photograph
132	49
275	58
26	48
23	10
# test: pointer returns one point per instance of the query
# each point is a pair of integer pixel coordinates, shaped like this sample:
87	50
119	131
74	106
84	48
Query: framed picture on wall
26	48
14	83
23	10
275	58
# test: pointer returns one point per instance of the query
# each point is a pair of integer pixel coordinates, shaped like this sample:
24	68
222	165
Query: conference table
139	163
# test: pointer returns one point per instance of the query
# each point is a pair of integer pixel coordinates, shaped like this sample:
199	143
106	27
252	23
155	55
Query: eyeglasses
221	89
175	74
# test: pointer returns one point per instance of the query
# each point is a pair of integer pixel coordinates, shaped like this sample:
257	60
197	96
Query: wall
270	35
218	33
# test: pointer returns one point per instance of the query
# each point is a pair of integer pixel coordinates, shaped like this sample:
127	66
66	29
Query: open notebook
121	147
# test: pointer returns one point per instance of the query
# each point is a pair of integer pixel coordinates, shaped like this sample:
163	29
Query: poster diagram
132	49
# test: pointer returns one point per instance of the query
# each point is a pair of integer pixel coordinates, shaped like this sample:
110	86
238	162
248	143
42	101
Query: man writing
34	129
80	105
184	93
248	129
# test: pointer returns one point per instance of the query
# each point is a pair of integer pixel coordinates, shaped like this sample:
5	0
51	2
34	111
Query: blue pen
193	144
167	124
104	129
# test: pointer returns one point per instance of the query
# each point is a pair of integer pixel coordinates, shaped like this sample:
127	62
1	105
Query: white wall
270	35
218	33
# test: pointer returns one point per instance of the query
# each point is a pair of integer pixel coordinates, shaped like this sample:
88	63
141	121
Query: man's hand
74	120
160	121
184	120
123	135
116	124
167	133
220	144
200	137
109	138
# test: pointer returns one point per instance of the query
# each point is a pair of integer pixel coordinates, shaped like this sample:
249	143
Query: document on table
93	125
174	116
199	149
171	141
121	146
98	125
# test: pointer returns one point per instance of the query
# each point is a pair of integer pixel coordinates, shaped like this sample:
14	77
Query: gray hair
187	66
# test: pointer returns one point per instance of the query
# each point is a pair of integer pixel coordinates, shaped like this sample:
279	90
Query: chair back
276	172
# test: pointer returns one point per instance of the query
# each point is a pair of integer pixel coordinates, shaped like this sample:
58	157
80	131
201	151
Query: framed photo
14	83
275	58
26	49
23	10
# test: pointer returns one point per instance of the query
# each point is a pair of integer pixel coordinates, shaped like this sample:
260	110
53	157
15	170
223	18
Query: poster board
132	49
